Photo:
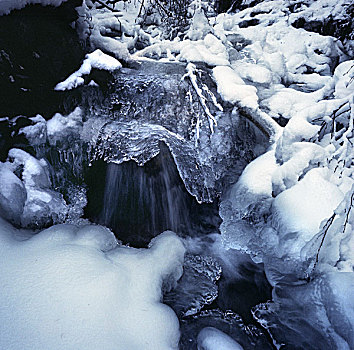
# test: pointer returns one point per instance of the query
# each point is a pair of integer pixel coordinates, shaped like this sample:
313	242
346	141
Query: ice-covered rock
202	138
313	315
71	287
34	203
12	194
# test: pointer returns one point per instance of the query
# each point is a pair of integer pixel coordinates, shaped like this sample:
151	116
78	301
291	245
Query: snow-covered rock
297	213
96	59
36	134
211	338
344	79
233	89
71	287
200	26
65	129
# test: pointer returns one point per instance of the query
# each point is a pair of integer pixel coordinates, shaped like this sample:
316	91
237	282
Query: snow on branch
191	74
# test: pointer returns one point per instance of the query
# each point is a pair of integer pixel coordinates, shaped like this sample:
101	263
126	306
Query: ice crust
71	287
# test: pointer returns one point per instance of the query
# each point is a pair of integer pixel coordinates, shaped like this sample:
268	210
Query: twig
348	213
105	5
325	229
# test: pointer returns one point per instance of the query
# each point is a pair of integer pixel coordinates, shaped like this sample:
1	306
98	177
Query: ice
71	287
96	59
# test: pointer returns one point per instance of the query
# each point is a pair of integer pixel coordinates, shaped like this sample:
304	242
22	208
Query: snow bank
96	59
6	6
211	338
71	287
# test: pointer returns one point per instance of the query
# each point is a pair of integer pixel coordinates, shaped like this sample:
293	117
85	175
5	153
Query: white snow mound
74	288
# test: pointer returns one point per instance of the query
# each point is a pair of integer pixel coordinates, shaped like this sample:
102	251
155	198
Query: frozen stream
140	158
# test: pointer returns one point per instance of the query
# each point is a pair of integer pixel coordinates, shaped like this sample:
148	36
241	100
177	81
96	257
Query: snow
36	134
96	59
283	199
253	72
6	6
257	176
71	287
200	26
233	89
65	128
211	338
344	79
209	50
300	210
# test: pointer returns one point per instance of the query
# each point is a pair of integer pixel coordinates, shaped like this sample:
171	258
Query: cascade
139	202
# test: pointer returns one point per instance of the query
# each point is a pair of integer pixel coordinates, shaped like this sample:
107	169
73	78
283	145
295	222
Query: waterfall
140	202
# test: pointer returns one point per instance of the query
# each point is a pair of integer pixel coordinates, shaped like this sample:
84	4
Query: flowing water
218	288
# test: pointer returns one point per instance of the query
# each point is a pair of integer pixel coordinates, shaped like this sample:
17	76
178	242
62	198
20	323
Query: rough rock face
38	48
